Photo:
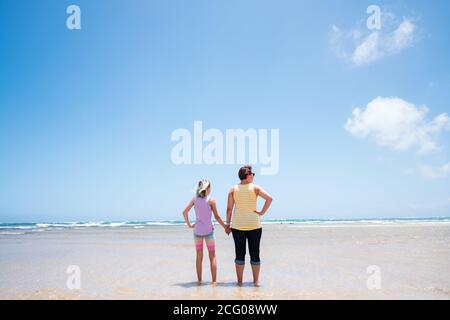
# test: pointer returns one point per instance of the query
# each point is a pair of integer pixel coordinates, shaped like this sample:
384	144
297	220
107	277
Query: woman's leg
239	273
239	244
254	240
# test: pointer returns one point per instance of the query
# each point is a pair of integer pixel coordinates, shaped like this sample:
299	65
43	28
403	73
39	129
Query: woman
246	224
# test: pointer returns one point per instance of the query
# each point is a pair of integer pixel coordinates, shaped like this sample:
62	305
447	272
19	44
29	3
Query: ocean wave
45	226
10	232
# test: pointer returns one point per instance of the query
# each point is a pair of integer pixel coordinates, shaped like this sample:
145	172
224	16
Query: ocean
30	227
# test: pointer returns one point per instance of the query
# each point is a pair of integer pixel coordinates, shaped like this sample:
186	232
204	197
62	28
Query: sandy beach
299	261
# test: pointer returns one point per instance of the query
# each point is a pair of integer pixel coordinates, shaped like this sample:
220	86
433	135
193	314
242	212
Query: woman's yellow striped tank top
245	217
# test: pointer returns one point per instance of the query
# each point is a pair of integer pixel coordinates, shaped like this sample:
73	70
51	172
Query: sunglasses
250	174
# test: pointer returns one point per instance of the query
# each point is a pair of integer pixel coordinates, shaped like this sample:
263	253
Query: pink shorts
209	239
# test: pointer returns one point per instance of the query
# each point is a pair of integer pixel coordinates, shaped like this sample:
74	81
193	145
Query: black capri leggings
254	239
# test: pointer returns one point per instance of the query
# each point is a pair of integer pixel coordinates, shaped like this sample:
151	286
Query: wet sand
299	261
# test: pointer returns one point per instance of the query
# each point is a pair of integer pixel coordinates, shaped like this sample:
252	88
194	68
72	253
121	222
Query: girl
203	227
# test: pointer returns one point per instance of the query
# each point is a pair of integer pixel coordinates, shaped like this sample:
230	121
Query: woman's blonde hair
203	185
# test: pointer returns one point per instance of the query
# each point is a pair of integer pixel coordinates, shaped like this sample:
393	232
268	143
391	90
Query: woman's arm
230	205
212	203
266	196
186	212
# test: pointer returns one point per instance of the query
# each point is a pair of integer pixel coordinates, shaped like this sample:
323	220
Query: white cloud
368	50
398	124
361	46
430	172
402	37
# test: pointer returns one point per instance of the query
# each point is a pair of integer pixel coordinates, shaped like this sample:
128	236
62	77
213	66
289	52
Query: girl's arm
186	212
212	203
266	196
230	205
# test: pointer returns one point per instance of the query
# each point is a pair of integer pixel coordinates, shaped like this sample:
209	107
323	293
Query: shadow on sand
194	284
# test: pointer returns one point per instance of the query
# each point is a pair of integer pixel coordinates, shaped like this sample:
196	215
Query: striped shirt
245	217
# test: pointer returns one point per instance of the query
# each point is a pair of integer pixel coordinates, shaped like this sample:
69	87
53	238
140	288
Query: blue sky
86	115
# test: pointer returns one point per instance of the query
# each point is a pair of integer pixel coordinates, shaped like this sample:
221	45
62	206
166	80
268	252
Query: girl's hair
203	185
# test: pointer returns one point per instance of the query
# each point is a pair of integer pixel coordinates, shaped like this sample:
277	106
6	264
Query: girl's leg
199	260
211	245
199	265
213	263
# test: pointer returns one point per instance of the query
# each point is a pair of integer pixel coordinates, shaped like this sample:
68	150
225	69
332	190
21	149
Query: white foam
10	232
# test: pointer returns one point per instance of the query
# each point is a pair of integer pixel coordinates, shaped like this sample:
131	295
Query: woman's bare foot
239	284
214	283
256	284
199	282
